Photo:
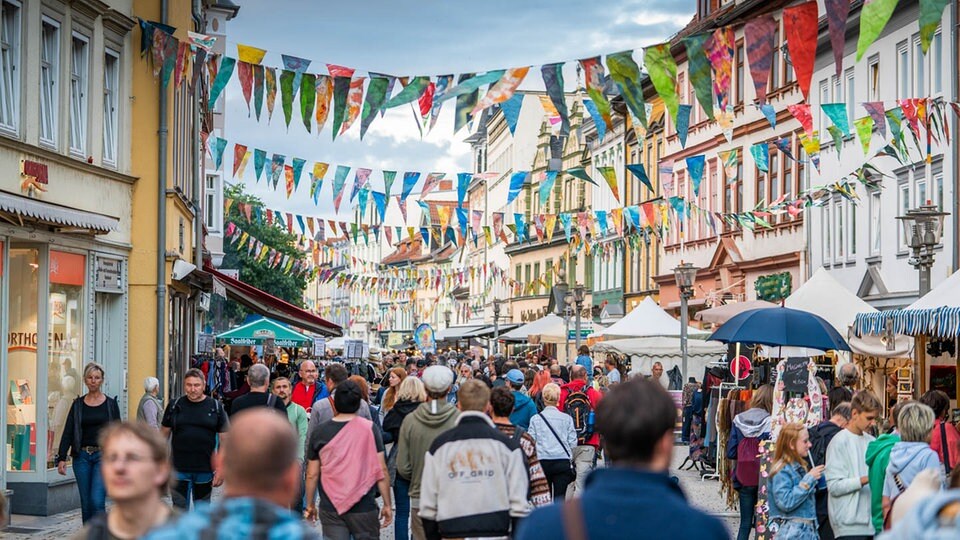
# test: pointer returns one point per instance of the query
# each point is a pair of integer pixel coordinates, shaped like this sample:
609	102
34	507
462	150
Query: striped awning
56	215
941	322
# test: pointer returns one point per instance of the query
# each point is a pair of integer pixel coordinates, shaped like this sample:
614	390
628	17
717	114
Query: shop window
65	333
22	342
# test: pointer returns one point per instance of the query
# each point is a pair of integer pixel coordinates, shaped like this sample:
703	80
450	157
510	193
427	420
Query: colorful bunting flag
324	93
388	178
339	181
341	88
308	97
354	101
730	162
516	184
270	86
758	34
801	111
259	161
219	145
463	183
598	121
641	174
581	173
553	83
410	93
876	111
699	70
610	175
546	186
409	180
837	13
288	179
761	154
259	73
360	181
663	73
837	113
432	181
873	17
511	111
442	85
683	123
695	166
720	49
770	114
931	13
276	168
224	72
864	127
594	81
503	89
286	95
800	28
626	74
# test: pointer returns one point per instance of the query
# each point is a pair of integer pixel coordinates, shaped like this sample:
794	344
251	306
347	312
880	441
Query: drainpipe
955	90
198	213
162	221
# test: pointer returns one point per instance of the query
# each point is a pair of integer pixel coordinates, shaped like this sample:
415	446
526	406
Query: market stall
648	319
641	353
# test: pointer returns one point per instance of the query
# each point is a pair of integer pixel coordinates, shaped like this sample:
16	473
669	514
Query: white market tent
936	314
946	294
666	350
648	319
550	327
823	295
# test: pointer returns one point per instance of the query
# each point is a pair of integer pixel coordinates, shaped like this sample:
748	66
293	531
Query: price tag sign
319	346
796	374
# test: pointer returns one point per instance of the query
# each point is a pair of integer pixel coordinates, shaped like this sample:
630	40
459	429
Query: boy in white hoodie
846	472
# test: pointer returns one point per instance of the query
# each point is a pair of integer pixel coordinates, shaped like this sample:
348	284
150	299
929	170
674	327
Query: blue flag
695	166
516	184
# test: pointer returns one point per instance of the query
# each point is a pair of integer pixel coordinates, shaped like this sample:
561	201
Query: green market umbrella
254	333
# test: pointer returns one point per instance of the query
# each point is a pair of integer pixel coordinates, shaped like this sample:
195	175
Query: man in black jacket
820	438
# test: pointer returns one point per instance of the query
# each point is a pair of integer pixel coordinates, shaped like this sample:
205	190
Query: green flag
931	11
864	127
308	96
376	97
223	77
663	73
873	17
626	74
286	94
411	92
700	71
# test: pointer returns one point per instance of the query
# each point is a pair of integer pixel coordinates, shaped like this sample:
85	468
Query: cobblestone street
703	494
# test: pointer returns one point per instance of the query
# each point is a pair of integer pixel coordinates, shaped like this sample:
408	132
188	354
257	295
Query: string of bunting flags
350	95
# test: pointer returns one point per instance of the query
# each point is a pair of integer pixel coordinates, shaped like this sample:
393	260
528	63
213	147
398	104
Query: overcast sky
426	37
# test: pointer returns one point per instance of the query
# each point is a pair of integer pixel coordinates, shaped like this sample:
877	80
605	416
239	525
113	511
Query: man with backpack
501	404
579	400
820	437
749	428
194	421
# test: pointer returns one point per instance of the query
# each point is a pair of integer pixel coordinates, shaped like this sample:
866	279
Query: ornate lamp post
496	325
922	231
578	297
685	274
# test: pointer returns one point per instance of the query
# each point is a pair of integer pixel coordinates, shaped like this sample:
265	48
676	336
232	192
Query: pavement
704	494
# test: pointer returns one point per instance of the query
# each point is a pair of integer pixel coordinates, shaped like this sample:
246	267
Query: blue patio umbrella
780	326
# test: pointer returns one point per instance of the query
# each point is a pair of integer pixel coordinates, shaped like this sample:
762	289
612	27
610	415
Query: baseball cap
515	376
437	378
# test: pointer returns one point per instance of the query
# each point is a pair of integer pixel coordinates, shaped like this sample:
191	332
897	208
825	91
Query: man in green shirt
298	417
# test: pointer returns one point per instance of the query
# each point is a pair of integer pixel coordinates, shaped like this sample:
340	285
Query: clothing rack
722	390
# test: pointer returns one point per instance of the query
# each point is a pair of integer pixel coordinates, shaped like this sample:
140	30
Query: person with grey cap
523	408
150	409
418	432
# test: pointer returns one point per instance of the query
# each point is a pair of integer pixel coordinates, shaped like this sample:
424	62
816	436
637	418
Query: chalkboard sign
796	374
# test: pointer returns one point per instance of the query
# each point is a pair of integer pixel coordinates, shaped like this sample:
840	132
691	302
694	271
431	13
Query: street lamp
496	325
567	312
578	295
685	274
922	230
446	318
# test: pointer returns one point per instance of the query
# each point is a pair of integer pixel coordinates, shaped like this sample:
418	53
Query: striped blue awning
941	322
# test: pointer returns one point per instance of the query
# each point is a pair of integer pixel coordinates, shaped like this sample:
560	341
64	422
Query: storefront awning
254	333
488	331
452	333
271	306
27	209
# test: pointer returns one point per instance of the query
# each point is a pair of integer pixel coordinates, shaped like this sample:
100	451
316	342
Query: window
526	281
788	75
903	71
921	191
827	227
211	201
824	99
875	231
873	78
935	54
739	73
549	272
111	112
79	82
850	95
839	215
10	68
903	202
920	65
852	220
536	278
49	75
774	82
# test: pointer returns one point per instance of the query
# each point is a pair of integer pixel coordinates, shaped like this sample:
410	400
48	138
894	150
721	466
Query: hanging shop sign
774	287
319	346
33	178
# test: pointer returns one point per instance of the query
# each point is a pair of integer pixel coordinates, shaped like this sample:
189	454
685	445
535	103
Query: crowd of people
447	447
848	478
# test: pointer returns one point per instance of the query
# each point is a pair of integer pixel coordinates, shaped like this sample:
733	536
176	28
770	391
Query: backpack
747	471
578	406
889	515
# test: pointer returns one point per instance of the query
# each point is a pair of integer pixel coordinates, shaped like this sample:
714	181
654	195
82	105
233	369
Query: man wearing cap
523	407
417	433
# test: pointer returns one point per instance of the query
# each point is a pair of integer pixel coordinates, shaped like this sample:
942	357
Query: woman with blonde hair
394	377
556	439
410	394
793	485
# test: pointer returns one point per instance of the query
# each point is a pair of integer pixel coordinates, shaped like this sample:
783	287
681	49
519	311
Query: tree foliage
257	273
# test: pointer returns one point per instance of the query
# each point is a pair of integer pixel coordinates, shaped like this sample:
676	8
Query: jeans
797	530
559	476
584	460
196	486
297	505
748	503
93	494
352	525
687	419
401	495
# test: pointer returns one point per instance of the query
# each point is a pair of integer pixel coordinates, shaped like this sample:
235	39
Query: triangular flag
610	175
626	74
410	93
341	88
662	69
224	72
598	120
546	186
409	180
339	181
245	75
730	162
286	95
259	73
442	85
308	97
695	167
259	161
864	127
873	17
876	111
770	114
837	13
360	180
297	65
239	151
297	171
503	89
720	49
276	168
288	179
354	102
683	123
800	28
593	75
376	98
761	154
758	33
324	94
931	13
432	181
641	174
388	178
516	184
238	170
553	83
511	111
581	173
699	70
837	112
219	145
801	111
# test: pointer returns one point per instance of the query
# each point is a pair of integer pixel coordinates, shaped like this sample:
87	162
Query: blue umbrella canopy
780	326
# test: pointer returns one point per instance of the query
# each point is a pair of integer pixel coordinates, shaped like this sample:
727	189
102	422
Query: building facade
860	242
735	262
